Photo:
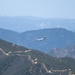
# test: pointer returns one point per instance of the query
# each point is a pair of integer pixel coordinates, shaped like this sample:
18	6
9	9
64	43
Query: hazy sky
39	8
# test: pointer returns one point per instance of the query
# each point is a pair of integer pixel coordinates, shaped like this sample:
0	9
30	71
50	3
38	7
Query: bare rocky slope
63	52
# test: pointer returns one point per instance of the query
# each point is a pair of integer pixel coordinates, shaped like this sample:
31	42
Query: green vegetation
24	64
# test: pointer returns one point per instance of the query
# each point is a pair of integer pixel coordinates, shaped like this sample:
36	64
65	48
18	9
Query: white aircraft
41	39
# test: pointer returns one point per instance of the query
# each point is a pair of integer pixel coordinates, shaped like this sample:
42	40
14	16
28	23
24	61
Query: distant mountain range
54	38
23	61
21	24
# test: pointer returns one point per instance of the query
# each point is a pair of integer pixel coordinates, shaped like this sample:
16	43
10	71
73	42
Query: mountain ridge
20	23
55	38
32	63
